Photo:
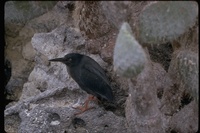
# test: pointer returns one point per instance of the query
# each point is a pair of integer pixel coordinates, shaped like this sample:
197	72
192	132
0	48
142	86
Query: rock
12	29
110	8
70	5
50	93
161	54
108	48
45	76
12	123
162	14
88	17
51	119
186	120
22	11
136	8
93	46
150	102
127	11
29	89
14	88
28	52
103	46
142	105
18	36
101	121
40	119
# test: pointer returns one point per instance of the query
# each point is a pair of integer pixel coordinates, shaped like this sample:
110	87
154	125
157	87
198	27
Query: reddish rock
107	49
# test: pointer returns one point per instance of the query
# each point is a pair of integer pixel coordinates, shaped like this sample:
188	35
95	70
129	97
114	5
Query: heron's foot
85	107
82	109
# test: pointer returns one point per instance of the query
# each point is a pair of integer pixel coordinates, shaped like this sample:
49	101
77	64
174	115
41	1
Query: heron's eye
70	59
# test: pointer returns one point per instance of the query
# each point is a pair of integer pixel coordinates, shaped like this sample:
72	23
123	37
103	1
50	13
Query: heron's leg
85	106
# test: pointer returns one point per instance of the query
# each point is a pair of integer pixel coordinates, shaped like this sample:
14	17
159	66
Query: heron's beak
58	59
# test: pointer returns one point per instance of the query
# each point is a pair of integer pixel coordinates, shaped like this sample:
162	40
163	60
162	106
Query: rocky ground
44	94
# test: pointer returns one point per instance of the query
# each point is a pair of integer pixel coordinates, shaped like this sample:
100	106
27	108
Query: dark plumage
88	74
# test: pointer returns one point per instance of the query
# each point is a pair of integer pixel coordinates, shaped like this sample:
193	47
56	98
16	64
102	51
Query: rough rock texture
188	116
22	11
45	94
18	48
49	87
110	8
63	94
103	46
142	106
60	120
90	19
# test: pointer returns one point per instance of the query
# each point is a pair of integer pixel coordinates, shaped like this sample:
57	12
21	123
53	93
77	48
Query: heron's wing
95	68
95	82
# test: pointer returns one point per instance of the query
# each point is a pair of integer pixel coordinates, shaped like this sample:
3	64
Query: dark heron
89	75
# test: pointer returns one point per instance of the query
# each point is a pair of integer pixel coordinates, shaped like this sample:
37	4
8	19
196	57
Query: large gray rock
142	106
22	11
60	120
109	8
185	120
49	95
18	49
51	76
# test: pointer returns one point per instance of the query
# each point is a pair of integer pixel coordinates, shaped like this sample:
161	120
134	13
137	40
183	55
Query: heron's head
70	60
